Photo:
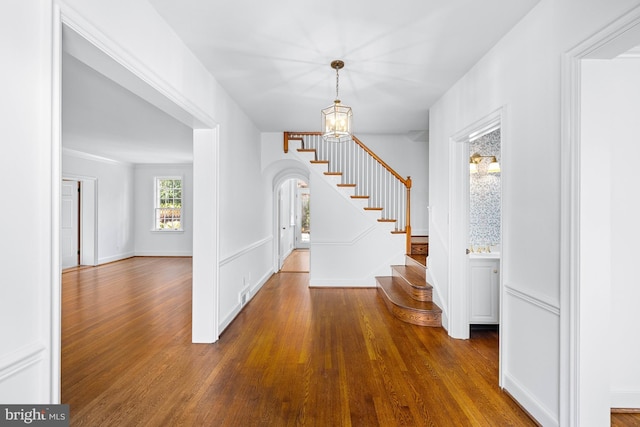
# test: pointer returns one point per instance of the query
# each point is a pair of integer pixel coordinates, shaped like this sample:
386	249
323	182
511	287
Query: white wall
243	229
246	233
348	246
610	232
522	74
154	243
408	158
115	190
134	32
27	350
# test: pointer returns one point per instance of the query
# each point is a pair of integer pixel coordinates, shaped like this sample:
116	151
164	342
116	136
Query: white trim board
245	250
602	42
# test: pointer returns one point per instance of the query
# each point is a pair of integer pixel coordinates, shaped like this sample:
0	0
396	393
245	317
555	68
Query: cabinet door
484	299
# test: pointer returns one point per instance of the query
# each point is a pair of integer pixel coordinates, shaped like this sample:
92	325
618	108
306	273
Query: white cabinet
484	284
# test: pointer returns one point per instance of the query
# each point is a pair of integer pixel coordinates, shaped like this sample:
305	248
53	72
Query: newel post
408	214
286	142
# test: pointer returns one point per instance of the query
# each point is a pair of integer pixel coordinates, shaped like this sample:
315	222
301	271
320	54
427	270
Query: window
168	203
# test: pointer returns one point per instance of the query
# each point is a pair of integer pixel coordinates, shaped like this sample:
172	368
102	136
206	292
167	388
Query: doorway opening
70	223
294	220
485	230
108	58
601	95
475	290
78	223
303	215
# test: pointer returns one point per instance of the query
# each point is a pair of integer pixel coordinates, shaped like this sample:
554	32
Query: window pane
168	211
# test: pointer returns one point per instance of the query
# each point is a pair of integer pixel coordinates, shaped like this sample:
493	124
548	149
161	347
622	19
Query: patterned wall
485	193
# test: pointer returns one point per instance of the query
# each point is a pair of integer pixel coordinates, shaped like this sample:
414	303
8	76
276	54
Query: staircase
375	187
406	292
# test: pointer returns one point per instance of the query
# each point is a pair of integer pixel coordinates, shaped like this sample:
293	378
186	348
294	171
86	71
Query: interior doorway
607	217
70	223
600	105
293	217
108	58
303	215
485	228
78	212
476	290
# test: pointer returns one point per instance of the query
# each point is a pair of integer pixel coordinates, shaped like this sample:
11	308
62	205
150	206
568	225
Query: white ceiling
400	56
273	58
102	118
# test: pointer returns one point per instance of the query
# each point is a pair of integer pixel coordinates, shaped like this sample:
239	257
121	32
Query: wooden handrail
407	227
406	182
288	136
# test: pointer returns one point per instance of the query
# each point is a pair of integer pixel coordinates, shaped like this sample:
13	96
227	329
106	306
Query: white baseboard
238	307
625	399
164	253
114	258
254	289
529	402
342	283
227	320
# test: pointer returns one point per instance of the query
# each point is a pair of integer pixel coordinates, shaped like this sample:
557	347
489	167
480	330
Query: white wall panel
22	373
243	273
610	234
521	74
116	210
26	253
348	246
154	243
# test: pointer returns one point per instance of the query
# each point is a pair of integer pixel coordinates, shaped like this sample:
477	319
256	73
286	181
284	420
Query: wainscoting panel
530	329
21	375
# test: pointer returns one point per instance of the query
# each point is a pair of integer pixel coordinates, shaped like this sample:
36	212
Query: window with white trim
168	203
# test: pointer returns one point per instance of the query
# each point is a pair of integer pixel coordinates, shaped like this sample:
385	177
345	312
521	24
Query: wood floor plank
293	356
296	262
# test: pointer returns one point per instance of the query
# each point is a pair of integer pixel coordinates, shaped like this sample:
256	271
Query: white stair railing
373	177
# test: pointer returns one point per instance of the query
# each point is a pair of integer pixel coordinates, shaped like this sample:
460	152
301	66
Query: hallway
296	262
294	355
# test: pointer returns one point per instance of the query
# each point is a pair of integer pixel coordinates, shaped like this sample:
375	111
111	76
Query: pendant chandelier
337	118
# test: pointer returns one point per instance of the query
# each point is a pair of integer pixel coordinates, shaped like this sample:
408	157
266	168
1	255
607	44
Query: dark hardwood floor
294	356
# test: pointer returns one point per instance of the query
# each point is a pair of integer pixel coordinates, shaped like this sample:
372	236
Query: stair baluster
372	176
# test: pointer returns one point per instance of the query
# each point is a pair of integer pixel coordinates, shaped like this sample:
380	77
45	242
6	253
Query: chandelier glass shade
337	118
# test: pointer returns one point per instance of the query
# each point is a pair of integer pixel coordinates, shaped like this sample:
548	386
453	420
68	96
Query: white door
69	223
303	221
282	228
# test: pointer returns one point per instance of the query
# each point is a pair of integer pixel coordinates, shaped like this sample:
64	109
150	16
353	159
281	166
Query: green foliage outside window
169	204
